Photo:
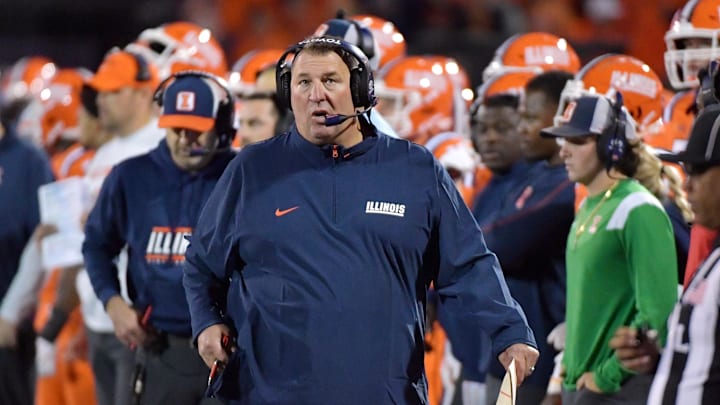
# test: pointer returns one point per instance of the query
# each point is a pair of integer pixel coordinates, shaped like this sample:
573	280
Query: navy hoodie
150	205
23	168
320	258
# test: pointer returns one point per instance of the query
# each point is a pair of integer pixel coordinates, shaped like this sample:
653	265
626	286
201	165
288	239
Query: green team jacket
621	270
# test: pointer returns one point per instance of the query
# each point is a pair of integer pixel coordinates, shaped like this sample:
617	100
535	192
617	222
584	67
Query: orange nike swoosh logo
279	212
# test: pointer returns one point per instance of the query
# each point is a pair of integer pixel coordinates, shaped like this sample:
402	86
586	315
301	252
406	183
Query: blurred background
79	32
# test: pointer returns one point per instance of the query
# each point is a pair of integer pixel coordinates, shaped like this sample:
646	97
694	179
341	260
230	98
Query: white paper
63	203
62	249
508	388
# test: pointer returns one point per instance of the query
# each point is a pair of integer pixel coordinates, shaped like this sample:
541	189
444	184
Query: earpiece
362	85
613	144
225	116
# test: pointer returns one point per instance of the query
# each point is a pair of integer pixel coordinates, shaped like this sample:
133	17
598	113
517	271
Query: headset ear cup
283	88
355	81
224	124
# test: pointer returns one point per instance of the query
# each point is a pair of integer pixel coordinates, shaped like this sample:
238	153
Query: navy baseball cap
190	102
586	115
703	147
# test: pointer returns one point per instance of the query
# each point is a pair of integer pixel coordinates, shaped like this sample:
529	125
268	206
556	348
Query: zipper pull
335	153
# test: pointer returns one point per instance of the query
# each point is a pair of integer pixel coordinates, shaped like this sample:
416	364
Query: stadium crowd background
79	32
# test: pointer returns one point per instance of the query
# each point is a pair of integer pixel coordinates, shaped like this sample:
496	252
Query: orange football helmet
390	42
178	46
457	155
55	115
26	78
641	88
678	117
245	71
697	21
511	83
418	98
533	52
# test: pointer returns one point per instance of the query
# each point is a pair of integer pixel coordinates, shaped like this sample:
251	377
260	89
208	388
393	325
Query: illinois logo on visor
185	101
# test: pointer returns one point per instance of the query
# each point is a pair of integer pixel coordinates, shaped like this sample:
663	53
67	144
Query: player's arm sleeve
104	236
212	254
469	280
20	297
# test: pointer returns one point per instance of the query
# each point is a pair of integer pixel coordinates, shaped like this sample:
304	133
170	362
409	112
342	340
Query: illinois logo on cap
569	110
185	101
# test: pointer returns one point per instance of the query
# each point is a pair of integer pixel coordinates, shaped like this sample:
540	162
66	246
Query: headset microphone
337	119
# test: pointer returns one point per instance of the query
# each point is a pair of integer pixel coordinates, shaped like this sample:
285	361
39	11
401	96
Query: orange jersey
701	243
71	162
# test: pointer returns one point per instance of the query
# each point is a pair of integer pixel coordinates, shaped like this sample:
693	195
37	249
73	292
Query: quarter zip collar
319	154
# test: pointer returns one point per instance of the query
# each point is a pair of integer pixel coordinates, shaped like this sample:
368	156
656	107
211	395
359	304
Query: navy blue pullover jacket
527	226
330	256
23	168
150	204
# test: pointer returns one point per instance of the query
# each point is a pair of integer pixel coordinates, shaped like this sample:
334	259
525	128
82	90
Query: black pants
634	391
175	375
16	368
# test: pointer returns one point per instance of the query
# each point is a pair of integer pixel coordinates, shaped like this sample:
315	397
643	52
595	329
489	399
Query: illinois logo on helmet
390	42
533	52
692	42
418	97
641	88
179	46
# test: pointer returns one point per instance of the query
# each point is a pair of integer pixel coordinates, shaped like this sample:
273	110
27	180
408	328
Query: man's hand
636	352
126	322
210	344
8	334
525	358
587	381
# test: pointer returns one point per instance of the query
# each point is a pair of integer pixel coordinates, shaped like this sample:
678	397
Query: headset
612	144
143	70
224	118
362	84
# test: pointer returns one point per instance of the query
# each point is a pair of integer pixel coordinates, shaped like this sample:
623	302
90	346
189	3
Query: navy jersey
23	169
149	205
330	252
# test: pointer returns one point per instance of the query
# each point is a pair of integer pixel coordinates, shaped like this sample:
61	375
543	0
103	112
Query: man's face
320	86
695	64
116	108
703	188
256	120
183	142
496	136
536	113
580	157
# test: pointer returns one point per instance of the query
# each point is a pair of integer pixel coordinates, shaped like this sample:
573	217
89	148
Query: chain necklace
581	229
